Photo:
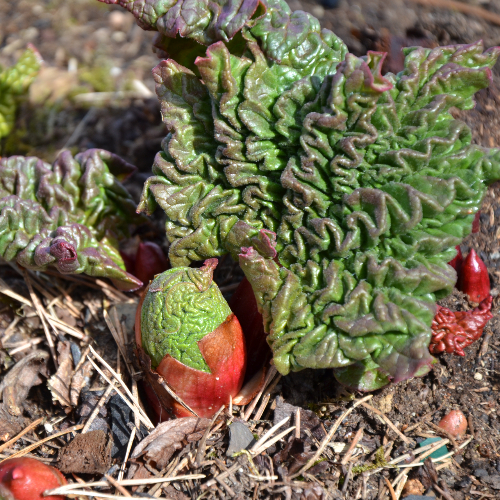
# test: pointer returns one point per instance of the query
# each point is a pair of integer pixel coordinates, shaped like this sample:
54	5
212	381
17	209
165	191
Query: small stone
478	376
240	438
481	473
455	423
117	19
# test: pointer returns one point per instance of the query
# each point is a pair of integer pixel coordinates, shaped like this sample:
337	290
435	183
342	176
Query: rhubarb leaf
14	82
343	191
68	215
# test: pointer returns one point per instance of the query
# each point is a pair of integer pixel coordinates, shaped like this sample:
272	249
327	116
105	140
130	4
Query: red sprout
473	279
453	331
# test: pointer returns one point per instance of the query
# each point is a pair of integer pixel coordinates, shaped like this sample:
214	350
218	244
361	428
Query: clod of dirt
309	421
88	453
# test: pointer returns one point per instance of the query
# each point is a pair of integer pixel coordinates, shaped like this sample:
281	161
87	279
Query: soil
90	48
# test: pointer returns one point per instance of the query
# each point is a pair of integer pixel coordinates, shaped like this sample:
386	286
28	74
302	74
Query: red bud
225	354
475	223
456	263
473	279
26	479
149	261
454	331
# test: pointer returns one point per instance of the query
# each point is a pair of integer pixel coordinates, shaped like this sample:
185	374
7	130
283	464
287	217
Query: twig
9	331
116	335
462	7
445	494
271	373
39	310
268	433
117	485
400	487
262	407
203	441
127	390
6	290
391	489
270	442
390	424
30	427
61	325
445	433
33	446
127	453
355	441
98	494
97	408
135	408
135	392
329	436
436	446
485	344
347	479
68	489
24	345
297	424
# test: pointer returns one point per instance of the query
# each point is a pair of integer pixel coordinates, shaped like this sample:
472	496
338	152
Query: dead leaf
80	379
157	448
413	487
10	425
20	379
88	453
308	419
59	383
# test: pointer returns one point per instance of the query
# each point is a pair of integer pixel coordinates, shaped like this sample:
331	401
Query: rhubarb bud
457	262
473	279
194	341
26	479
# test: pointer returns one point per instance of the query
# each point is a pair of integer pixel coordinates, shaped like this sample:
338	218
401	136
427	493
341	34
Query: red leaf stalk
457	262
453	331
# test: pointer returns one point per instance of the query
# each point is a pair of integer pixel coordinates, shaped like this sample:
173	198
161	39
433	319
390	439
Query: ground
96	90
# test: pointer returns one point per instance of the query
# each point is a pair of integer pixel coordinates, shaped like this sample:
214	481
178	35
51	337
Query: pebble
240	438
478	376
454	422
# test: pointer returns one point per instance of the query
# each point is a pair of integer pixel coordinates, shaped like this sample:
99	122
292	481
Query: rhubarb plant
14	82
343	192
69	215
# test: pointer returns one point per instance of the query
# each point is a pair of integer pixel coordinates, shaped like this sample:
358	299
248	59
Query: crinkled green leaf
342	190
68	215
291	38
14	82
